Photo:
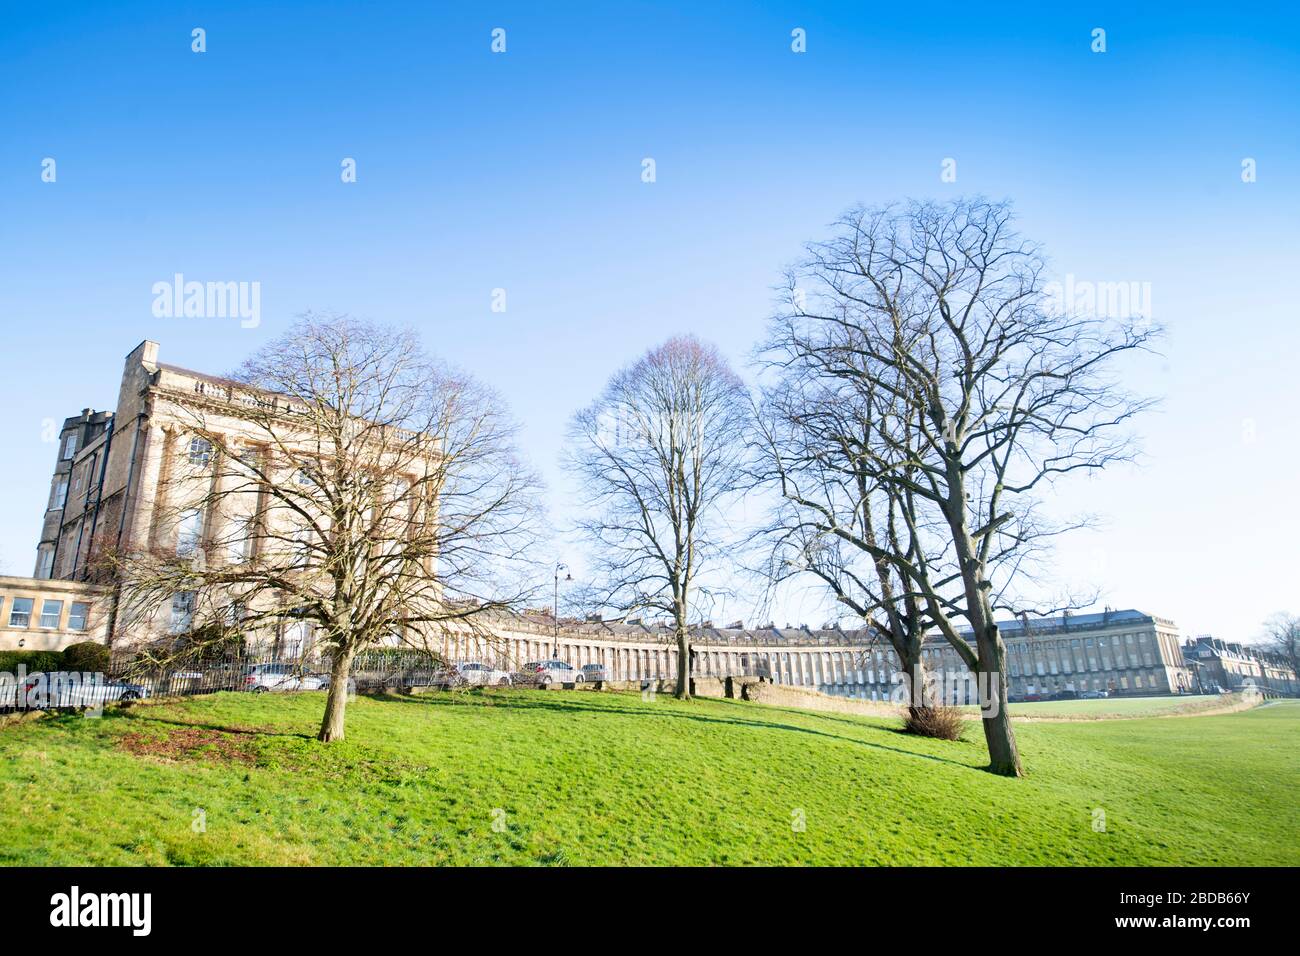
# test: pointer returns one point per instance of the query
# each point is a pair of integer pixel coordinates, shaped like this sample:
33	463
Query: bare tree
986	394
834	518
341	479
1282	637
659	456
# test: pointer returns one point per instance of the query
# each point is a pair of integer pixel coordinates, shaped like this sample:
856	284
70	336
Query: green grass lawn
1113	706
591	778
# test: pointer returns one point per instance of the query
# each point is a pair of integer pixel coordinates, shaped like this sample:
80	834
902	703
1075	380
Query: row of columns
855	672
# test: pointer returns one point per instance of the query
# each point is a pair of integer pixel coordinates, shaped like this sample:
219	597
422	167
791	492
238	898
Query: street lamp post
555	607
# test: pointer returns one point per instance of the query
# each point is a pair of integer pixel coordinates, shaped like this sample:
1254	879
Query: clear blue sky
522	171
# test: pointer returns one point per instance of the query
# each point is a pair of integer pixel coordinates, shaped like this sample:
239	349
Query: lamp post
555	607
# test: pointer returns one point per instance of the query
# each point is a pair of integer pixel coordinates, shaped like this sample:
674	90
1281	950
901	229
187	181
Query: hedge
33	661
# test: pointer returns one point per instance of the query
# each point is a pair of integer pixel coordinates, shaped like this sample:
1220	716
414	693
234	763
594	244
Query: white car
478	674
260	678
551	672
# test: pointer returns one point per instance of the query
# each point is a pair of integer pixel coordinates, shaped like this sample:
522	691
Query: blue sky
522	171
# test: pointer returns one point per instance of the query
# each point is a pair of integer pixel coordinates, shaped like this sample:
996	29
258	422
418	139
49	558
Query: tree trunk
914	671
1004	757
683	691
336	699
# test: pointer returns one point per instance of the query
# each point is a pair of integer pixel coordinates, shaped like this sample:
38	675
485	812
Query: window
69	446
250	456
77	615
240	546
20	614
188	531
46	568
182	612
60	493
200	452
51	611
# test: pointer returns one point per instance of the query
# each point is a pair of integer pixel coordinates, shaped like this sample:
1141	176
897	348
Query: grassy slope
589	778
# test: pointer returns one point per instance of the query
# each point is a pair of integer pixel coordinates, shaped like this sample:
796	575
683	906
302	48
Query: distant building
1120	652
1230	666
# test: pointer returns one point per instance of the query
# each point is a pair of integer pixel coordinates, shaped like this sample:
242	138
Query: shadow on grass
539	701
143	715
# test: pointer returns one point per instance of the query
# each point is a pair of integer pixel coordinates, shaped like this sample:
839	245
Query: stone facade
42	615
146	472
78	469
1223	665
1120	652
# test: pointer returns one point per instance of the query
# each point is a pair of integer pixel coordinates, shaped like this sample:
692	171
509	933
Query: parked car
1094	695
554	672
260	678
478	674
59	689
594	673
1066	695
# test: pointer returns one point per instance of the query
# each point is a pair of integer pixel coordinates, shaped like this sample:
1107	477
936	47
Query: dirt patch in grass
190	744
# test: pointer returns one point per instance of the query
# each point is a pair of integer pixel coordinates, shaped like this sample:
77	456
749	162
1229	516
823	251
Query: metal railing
373	671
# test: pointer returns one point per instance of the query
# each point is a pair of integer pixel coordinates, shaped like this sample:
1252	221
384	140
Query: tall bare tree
343	479
833	518
659	456
987	393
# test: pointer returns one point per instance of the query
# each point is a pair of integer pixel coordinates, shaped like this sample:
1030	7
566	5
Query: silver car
260	678
478	674
547	673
